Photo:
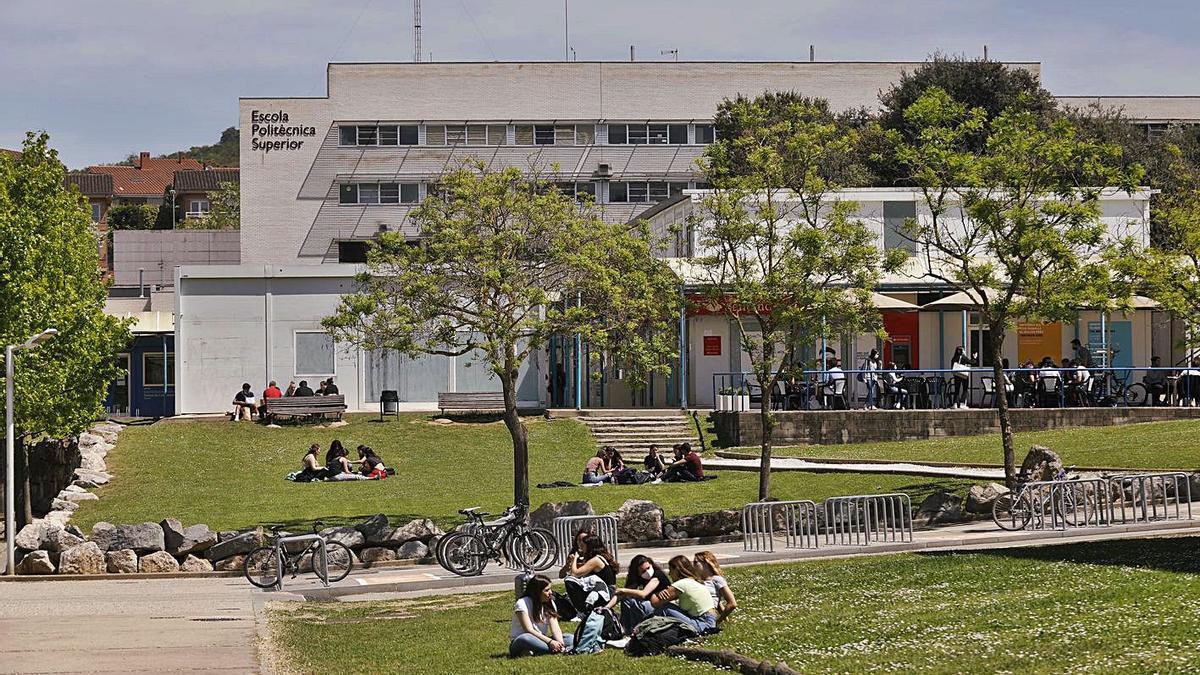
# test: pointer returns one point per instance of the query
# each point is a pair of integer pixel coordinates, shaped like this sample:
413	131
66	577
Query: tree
1016	224
503	263
132	217
225	207
779	254
49	262
169	212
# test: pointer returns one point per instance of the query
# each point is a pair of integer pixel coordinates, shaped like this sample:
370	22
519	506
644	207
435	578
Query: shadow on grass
301	525
1175	554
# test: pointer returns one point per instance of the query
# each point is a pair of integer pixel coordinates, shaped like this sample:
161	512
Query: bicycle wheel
338	561
1012	513
549	550
464	554
1135	394
535	550
261	567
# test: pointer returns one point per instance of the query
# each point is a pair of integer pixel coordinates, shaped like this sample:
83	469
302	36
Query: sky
107	78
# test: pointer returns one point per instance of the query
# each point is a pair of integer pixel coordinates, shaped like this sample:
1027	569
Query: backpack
589	636
612	625
643	477
654	635
563	606
626	476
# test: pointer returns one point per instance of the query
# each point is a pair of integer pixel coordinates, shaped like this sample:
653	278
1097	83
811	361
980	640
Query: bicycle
506	539
1014	510
265	566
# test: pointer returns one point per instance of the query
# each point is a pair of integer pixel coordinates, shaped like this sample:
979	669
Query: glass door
118	390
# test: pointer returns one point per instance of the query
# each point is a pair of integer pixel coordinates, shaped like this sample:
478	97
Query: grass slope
231	475
1112	607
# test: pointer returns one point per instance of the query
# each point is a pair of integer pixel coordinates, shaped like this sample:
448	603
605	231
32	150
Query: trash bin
389	403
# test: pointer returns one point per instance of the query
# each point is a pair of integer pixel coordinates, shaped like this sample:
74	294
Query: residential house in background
192	189
146	181
97	190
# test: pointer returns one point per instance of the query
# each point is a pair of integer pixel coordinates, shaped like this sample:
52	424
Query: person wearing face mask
643	580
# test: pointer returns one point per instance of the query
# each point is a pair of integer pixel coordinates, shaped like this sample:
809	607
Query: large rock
181	540
107	430
31	536
1041	463
981	497
544	515
104	535
345	535
377	554
63	505
194	564
77	496
939	507
375	529
57	539
36	562
236	545
124	561
90	479
143	538
93	462
639	520
710	524
412	550
233	563
159	561
90	440
421	529
86	558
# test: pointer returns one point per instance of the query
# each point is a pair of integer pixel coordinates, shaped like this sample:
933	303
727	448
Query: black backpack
652	636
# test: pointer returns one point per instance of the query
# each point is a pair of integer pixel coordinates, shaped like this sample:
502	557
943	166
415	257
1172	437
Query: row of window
379	193
524	134
619	192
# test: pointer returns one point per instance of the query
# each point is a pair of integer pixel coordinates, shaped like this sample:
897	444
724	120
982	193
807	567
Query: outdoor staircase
633	431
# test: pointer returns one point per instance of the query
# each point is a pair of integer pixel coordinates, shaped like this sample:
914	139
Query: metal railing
1150	497
282	544
862	519
566	527
1107	500
795	521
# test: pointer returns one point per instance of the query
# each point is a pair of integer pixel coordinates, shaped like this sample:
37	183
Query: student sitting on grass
591	575
687	466
372	465
654	463
686	598
244	404
310	467
339	466
643	580
535	630
709	572
596	470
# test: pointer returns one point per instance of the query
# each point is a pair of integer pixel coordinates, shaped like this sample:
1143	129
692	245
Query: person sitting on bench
303	389
244	403
687	467
330	388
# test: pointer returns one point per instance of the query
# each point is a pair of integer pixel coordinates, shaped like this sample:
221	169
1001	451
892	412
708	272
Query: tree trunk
768	430
25	508
1001	396
516	429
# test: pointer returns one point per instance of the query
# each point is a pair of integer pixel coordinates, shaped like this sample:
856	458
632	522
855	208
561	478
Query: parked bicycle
508	539
265	566
1016	509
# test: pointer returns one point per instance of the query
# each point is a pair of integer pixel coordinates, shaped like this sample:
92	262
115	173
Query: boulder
143	538
412	550
93	462
939	507
86	558
104	535
639	520
194	564
71	488
89	479
108	431
1041	463
710	524
226	535
544	515
375	529
159	561
57	539
345	535
63	505
233	563
78	496
236	545
181	541
35	562
670	532
377	554
31	536
981	497
59	518
124	561
74	529
421	529
90	439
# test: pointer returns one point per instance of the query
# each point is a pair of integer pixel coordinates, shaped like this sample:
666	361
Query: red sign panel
712	345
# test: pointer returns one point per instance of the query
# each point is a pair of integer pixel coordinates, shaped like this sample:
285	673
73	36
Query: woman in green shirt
686	598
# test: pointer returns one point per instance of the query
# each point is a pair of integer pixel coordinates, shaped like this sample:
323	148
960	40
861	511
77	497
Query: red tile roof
147	178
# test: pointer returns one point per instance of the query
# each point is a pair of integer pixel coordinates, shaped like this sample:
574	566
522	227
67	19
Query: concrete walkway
906	468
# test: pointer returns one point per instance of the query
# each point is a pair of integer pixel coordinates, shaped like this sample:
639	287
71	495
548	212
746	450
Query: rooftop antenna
672	52
812	53
985	58
416	31
566	34
631	52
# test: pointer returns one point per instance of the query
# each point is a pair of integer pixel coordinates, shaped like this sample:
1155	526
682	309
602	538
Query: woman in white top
710	575
870	367
535	630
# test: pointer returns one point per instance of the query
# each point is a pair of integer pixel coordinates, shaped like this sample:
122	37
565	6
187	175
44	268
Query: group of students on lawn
247	406
338	466
609	467
692	591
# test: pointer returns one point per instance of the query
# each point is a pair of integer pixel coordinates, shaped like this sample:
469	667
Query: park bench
474	402
305	407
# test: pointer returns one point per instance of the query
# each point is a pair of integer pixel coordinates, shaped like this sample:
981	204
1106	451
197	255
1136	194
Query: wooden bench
472	402
305	407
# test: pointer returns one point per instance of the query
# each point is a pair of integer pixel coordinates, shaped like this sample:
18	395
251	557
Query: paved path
907	468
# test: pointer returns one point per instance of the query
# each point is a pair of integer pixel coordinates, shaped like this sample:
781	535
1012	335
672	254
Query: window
348	135
580	191
705	134
352	251
638	134
368	135
389	135
457	134
97	211
523	134
389	193
585	134
410	193
543	134
642	192
314	354
386	134
657	134
408	134
497	134
348	194
647	134
153	369
368	193
379	193
435	134
197	208
677	134
894	216
618	193
617	134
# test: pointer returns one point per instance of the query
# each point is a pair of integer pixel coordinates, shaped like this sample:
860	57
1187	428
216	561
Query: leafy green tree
225	204
168	213
504	262
1016	224
132	217
779	253
49	267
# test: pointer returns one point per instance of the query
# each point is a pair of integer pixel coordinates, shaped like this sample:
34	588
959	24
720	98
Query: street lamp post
10	488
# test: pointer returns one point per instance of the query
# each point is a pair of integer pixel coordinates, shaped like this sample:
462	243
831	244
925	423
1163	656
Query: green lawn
1153	445
230	475
1112	607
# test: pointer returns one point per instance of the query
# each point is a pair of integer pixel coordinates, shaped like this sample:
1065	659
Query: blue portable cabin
148	387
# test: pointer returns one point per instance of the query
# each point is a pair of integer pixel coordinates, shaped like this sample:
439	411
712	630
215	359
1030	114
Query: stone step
618	431
639	423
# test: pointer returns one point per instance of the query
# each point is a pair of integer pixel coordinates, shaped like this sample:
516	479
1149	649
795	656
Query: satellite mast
416	31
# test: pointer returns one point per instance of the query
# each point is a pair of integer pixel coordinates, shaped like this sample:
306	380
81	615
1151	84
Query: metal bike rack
796	521
1150	497
1105	501
566	527
863	519
282	542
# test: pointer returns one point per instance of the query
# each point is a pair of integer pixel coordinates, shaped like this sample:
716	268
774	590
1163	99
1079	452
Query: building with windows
323	176
193	188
